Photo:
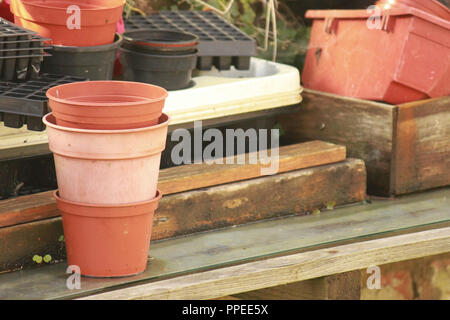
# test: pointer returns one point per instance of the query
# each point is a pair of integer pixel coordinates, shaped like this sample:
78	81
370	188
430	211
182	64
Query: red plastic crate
431	6
406	59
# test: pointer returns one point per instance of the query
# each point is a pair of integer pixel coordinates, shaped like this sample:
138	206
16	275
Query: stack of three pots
107	138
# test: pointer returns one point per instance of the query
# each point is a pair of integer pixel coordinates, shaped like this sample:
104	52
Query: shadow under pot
172	72
164	42
94	63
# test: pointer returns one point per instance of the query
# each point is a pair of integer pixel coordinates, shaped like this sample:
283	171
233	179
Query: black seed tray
26	102
9	29
21	52
221	44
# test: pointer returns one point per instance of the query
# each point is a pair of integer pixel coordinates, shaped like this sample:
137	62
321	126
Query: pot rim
37	5
109	104
108	206
128	37
47	122
172	56
103	47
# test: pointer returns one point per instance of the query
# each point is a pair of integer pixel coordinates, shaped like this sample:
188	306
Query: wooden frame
288	269
406	148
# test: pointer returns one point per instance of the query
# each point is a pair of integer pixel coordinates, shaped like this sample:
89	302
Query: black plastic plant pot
172	72
94	63
160	41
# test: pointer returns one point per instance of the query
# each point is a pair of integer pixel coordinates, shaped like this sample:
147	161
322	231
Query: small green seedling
37	259
331	205
47	258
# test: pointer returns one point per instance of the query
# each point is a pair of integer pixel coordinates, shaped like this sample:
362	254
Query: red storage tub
406	58
431	6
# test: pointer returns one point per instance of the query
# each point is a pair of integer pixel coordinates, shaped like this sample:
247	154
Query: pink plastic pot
52	19
107	105
108	241
107	166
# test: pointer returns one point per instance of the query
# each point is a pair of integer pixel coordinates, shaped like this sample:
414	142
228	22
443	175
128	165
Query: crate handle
387	24
330	25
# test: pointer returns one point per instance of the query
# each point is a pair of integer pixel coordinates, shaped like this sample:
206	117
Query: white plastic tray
266	85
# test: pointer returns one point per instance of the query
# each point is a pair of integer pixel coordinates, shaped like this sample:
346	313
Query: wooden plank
27	208
366	128
208	250
296	192
293	157
342	286
177	179
288	269
422	146
19	244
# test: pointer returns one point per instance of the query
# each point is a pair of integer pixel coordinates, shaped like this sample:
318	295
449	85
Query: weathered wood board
343	286
288	269
422	146
295	192
406	148
189	177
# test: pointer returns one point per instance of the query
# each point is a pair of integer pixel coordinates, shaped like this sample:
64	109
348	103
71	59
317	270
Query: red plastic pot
108	241
406	59
107	105
50	19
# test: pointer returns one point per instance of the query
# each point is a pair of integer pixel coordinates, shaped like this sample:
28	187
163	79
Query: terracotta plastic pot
52	18
107	166
107	105
108	241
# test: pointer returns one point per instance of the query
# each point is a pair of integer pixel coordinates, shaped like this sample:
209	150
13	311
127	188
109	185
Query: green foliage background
250	17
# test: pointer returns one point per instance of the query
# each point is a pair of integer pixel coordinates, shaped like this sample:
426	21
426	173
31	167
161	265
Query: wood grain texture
18	244
342	286
422	146
406	148
295	192
287	269
189	177
366	128
293	157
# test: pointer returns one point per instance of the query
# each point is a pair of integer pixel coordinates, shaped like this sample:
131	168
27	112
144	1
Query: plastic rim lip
157	44
193	41
174	56
109	104
102	47
43	5
106	206
118	131
362	14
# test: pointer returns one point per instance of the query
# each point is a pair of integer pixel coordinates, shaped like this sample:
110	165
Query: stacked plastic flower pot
107	138
83	34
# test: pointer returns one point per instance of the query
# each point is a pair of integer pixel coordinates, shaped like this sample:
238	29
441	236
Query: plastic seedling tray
21	52
26	102
221	44
9	29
